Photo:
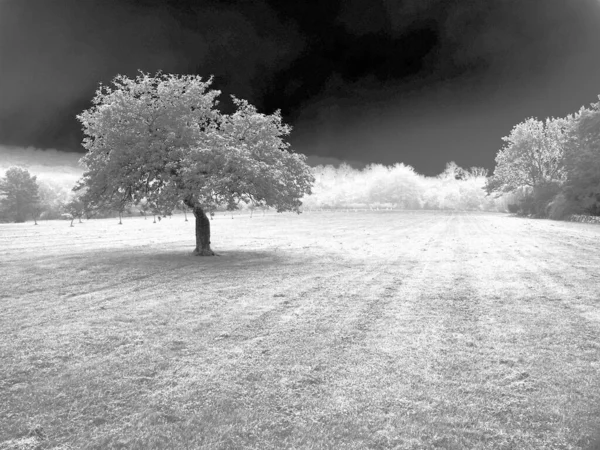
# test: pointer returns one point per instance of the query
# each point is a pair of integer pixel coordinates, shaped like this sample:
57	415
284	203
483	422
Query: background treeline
401	187
551	167
374	187
547	168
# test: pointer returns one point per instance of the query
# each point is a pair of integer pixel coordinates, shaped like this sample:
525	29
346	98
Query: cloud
54	53
493	64
47	164
507	40
243	50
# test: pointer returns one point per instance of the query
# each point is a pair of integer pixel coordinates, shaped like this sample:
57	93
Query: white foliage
161	140
399	187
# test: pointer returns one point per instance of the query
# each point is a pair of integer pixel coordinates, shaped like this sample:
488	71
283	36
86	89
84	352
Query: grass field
371	330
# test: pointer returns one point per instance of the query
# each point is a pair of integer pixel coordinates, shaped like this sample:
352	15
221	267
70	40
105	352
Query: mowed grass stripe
325	330
548	335
315	345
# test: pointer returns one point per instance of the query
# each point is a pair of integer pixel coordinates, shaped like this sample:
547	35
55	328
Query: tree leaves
19	194
161	140
533	155
582	159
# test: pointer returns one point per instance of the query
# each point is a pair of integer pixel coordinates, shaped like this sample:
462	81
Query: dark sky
416	81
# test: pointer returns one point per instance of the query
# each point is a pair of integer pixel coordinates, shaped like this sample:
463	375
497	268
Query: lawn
349	330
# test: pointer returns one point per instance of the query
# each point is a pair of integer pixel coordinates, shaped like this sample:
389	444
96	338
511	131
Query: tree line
377	186
159	144
551	168
400	187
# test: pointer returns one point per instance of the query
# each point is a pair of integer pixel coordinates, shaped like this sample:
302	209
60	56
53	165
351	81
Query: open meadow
325	330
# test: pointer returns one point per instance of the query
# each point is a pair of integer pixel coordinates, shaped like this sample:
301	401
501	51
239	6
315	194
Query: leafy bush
513	208
582	160
399	187
536	202
561	207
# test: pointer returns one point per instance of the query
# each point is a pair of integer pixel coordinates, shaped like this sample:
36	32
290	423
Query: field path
402	330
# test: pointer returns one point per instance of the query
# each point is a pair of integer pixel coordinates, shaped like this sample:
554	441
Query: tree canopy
552	167
18	194
582	159
532	156
161	140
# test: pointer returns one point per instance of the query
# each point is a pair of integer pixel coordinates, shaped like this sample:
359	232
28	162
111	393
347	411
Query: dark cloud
54	53
492	65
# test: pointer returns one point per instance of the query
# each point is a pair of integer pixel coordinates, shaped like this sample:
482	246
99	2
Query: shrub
513	208
561	207
537	201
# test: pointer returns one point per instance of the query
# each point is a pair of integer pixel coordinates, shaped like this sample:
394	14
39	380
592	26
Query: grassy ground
321	331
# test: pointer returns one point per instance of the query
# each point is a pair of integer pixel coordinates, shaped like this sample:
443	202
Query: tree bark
202	233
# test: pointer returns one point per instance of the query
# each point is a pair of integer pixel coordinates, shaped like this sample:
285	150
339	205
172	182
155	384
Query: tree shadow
184	258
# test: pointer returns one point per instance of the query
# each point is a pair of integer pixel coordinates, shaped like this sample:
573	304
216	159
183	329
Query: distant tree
144	207
532	156
36	210
75	208
19	194
161	206
162	138
453	171
478	172
582	160
52	199
398	185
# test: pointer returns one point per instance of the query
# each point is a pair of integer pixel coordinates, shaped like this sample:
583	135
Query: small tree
52	197
75	208
144	207
19	194
163	139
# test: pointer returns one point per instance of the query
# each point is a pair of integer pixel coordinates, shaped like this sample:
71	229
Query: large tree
582	159
18	194
161	139
532	156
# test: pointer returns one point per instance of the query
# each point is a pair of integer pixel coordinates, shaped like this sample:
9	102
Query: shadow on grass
184	258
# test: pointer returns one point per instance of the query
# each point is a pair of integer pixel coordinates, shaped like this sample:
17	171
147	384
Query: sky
422	82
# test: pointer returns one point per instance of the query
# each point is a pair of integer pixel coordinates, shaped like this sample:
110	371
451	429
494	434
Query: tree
53	196
532	156
75	208
162	138
582	159
19	191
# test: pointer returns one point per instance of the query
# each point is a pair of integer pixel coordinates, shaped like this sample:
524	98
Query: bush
513	208
527	206
536	202
561	207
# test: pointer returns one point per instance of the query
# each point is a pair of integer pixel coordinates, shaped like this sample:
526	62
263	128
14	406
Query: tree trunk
202	233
